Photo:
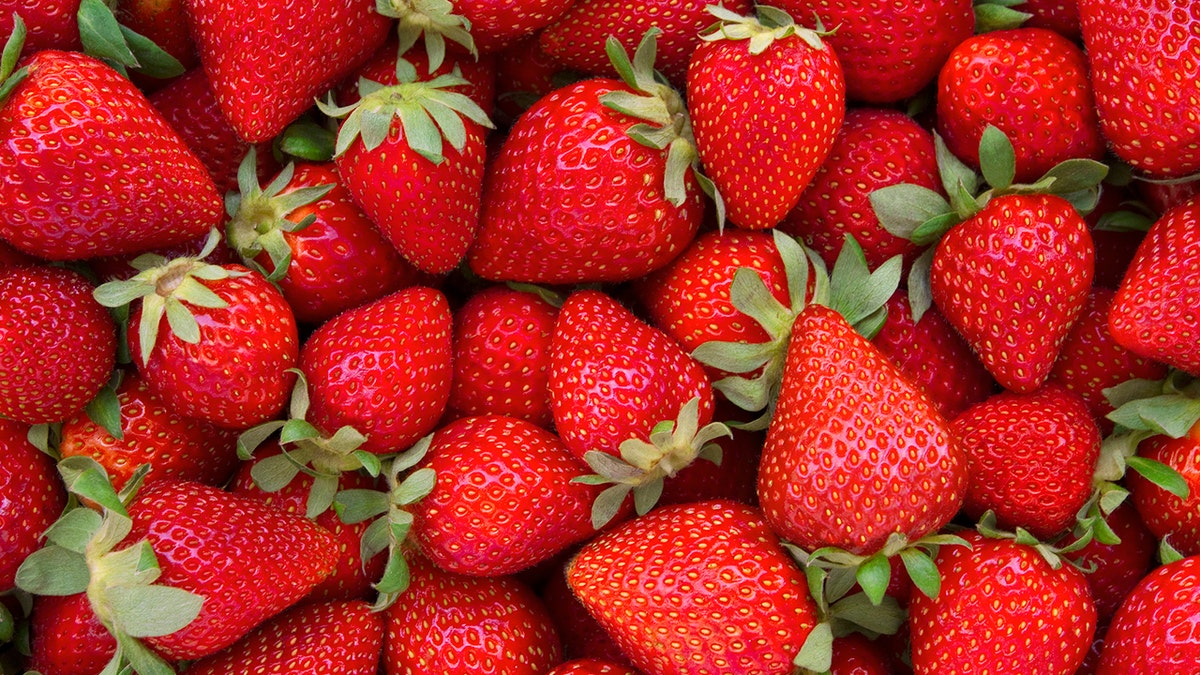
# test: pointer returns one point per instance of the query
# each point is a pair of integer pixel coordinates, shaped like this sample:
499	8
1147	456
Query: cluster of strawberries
597	337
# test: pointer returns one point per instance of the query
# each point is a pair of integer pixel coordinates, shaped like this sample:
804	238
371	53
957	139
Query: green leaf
1161	475
416	486
615	469
309	141
997	158
183	324
1132	390
932	230
1169	414
296	430
922	571
874	575
646	495
396	575
320	495
8	625
53	570
152	61
920	290
411	457
421	133
608	504
735	357
151	611
105	410
884	618
255	436
75	529
144	661
957	177
273	473
370	462
1167	553
86	478
817	653
12	48
902	208
1074	175
357	505
991	17
101	34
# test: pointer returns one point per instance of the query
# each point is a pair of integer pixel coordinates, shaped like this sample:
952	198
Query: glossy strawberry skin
1117	568
852	435
57	344
1060	16
495	24
1135	49
1154	312
779	143
1030	457
383	368
503	501
673	567
1153	631
1166	515
236	375
66	638
997	598
268	59
247	560
582	636
51	24
31	499
566	199
91	168
334	637
1033	85
1013	280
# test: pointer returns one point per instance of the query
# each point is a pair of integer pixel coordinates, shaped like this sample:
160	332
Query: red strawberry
1136	48
480	74
71	120
688	590
998	599
591	667
759	145
1167	515
1162	197
383	368
889	52
163	22
336	637
1155	311
57	344
31	499
495	25
51	24
152	433
504	499
582	636
268	59
1153	631
854	654
524	74
447	623
1060	16
1033	85
855	451
66	638
1030	458
1114	569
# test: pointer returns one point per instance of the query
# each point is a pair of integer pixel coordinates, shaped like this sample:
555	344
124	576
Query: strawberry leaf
1161	475
922	571
874	575
958	179
991	16
53	570
357	505
273	473
817	652
1169	414
75	529
101	35
1167	553
646	495
920	290
1074	175
144	661
152	60
608	504
309	141
320	495
901	209
885	617
85	477
151	611
105	410
416	486
997	158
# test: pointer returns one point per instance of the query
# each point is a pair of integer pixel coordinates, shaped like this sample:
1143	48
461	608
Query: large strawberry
688	590
268	59
1153	630
58	344
767	98
90	167
31	498
1136	49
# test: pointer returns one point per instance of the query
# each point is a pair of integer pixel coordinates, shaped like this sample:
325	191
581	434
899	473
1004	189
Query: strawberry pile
592	337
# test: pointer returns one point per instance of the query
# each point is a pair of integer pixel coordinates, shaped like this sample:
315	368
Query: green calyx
994	15
259	216
1055	553
10	77
667	125
121	48
82	557
166	288
433	19
428	111
644	464
761	30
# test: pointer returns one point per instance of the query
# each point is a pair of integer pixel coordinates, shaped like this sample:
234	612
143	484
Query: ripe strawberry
854	654
51	24
1030	458
759	145
874	149
58	344
889	52
1165	514
163	22
1135	49
1060	16
268	59
31	498
655	584
175	446
1015	315
1033	85
591	667
480	74
91	168
582	636
1154	313
855	451
504	498
383	369
1153	630
502	355
524	74
444	620
999	598
495	25
66	638
1114	569
1162	197
335	637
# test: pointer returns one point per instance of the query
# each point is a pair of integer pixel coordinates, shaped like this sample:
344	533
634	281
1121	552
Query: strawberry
888	52
444	621
1030	458
1135	48
854	654
1152	631
1060	16
152	433
582	636
655	583
502	355
1032	84
163	22
591	667
305	233
1115	568
1154	312
750	90
524	74
59	344
504	498
874	148
267	60
66	638
214	342
1002	609
51	24
582	191
495	25
1167	515
98	178
31	499
334	637
383	369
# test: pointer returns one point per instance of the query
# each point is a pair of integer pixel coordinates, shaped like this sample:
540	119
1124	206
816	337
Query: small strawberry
767	98
524	74
1060	16
1153	631
57	344
31	499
